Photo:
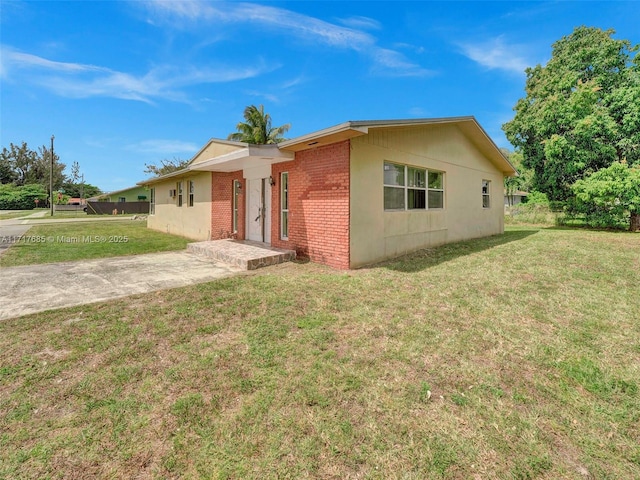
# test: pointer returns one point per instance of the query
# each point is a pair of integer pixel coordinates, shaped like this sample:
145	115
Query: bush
536	198
21	198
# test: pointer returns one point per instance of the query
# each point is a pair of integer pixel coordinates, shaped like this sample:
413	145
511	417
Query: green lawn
61	242
8	215
512	357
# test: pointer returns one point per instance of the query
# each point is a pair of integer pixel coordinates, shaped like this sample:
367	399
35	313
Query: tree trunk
635	222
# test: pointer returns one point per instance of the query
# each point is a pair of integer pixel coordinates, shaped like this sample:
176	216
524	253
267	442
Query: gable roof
355	128
227	156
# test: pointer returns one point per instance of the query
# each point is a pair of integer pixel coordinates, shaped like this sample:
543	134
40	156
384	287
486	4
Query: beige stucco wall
191	222
376	234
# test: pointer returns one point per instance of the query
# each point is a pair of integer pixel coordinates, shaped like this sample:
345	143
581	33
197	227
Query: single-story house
514	198
346	196
130	194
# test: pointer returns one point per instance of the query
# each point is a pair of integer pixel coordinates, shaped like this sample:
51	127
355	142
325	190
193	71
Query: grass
8	215
511	357
59	242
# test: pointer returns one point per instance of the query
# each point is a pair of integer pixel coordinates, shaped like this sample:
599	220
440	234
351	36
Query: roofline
160	178
363	125
105	194
217	140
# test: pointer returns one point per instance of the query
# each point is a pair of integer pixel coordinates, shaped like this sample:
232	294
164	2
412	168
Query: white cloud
164	147
194	13
495	54
76	80
393	62
361	23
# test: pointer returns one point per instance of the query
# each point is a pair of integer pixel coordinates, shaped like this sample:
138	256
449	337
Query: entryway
259	210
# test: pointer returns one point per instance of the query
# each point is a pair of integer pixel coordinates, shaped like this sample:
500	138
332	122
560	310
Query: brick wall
318	204
222	205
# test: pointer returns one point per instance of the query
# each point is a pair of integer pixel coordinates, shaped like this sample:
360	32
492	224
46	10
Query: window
284	205
122	199
152	203
486	194
179	194
412	188
191	193
236	200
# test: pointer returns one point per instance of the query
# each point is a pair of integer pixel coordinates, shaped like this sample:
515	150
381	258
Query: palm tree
257	129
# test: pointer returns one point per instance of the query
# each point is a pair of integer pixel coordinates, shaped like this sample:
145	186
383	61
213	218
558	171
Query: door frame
264	207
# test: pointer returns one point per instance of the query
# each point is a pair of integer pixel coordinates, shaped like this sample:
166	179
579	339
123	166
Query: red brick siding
222	205
318	204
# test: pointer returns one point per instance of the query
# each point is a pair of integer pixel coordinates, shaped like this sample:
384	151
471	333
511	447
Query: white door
259	211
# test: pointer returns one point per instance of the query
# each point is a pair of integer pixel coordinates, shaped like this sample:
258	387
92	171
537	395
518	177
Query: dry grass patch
509	357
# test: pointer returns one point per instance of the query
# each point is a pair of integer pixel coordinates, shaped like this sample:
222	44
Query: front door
258	211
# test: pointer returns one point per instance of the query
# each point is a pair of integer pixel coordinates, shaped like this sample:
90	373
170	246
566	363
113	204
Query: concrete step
245	254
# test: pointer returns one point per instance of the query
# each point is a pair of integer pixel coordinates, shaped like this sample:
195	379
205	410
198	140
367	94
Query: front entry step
245	254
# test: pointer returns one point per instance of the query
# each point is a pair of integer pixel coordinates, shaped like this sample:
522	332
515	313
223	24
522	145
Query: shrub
21	198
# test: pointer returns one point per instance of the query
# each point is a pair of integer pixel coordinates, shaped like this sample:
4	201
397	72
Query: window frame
122	199
152	201
414	183
284	205
179	193
235	194
190	193
486	193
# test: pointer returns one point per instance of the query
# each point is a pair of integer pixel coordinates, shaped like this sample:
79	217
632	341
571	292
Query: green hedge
21	198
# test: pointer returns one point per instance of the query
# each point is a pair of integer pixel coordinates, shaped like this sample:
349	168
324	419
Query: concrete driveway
35	288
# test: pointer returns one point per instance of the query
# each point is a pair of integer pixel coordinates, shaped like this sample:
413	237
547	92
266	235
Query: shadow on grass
423	259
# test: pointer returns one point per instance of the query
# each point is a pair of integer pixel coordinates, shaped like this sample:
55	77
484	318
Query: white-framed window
179	193
191	192
237	187
152	202
486	193
284	205
412	188
122	199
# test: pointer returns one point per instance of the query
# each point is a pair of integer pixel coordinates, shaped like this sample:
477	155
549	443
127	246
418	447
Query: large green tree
27	167
257	128
581	112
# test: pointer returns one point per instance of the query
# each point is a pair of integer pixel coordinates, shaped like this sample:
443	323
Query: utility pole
51	178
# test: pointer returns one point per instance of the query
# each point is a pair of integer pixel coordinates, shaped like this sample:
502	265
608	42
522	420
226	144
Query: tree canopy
581	112
257	128
166	166
20	166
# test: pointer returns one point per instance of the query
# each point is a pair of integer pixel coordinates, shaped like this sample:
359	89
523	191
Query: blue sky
124	83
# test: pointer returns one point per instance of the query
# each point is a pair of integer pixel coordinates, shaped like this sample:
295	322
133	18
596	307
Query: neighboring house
131	194
345	196
514	198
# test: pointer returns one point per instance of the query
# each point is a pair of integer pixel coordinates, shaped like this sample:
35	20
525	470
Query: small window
179	194
152	202
284	205
236	201
412	188
191	193
436	190
122	199
486	194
